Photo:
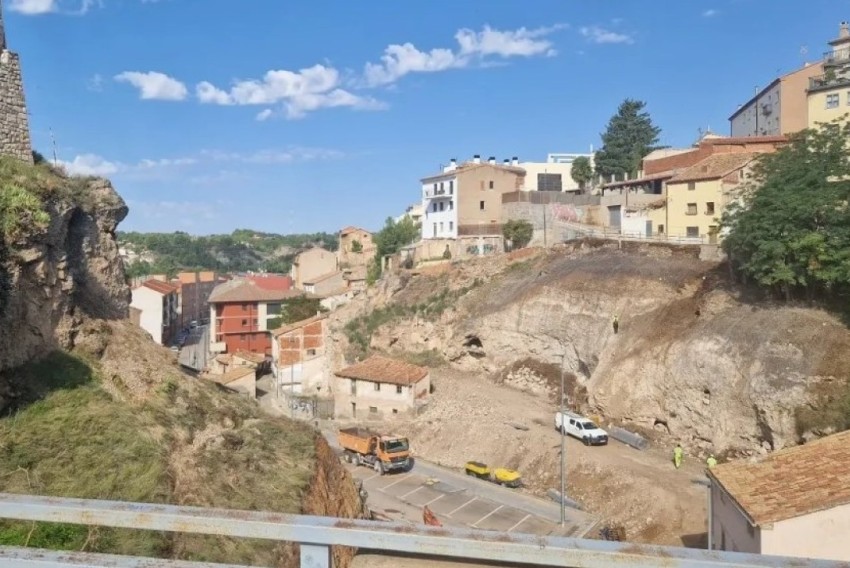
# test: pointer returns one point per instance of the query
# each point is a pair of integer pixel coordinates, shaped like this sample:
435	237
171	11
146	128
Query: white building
157	304
414	211
555	174
439	204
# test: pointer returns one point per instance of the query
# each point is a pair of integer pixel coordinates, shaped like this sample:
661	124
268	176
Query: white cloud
33	7
400	60
265	114
90	165
709	13
298	92
95	83
596	34
272	156
153	85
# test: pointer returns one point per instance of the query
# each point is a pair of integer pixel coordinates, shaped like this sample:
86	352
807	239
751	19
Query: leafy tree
519	232
630	136
37	157
356	246
582	171
390	240
790	229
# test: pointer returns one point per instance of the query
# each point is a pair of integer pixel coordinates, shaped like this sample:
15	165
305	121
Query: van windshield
394	446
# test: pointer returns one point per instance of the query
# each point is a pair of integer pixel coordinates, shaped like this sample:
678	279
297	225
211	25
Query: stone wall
14	125
551	222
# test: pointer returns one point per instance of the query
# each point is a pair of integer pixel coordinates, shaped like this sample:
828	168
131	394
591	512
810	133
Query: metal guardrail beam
36	558
317	534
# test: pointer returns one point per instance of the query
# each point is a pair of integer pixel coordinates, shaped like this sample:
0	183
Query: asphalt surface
195	352
462	501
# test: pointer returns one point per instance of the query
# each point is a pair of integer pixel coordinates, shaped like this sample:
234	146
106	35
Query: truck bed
359	432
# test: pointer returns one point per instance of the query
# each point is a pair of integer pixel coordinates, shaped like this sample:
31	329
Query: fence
317	534
547	197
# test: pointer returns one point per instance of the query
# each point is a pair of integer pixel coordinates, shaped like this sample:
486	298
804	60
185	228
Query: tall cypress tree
629	137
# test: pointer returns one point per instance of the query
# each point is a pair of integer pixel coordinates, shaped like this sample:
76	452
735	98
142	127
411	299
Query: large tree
390	240
582	171
790	231
630	136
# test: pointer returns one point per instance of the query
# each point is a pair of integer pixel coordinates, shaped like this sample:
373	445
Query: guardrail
317	534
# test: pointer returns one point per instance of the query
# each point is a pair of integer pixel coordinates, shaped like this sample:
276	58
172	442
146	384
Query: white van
580	427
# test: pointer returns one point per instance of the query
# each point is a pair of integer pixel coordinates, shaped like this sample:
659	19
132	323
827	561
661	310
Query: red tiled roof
252	357
715	166
792	482
247	291
380	369
271	281
298	325
232	375
159	286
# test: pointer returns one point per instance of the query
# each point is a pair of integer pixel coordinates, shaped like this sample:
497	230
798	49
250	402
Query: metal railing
317	534
831	80
836	56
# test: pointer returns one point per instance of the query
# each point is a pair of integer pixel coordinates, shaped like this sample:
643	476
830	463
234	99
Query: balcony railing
431	193
836	57
825	81
317	534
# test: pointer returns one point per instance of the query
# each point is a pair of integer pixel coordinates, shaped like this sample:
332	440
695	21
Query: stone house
239	379
793	502
379	388
356	247
299	361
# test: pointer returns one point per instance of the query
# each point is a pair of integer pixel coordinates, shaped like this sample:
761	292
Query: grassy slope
179	441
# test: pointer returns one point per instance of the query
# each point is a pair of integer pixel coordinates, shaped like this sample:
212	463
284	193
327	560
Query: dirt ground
469	417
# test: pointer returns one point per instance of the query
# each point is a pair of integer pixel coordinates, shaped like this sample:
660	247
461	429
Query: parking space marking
461	507
485	517
525	518
395	482
371	477
438	497
410	493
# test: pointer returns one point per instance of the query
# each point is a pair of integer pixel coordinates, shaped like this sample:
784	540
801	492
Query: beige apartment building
380	388
794	502
466	199
829	93
780	108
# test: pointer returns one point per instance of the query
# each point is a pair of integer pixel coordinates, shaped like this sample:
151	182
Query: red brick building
240	311
298	355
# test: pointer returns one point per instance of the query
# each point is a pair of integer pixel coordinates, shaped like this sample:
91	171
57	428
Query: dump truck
384	453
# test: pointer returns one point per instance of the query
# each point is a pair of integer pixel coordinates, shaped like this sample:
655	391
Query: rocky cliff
694	358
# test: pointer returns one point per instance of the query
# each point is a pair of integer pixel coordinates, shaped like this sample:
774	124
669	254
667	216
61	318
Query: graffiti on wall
487	249
566	212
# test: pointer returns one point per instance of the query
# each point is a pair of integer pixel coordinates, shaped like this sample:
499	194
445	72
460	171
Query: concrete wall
551	221
732	530
752	120
311	264
14	124
378	404
459	248
823	534
151	305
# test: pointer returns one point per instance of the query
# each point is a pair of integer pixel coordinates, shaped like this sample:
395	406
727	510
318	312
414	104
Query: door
614	215
649	228
354	410
712	234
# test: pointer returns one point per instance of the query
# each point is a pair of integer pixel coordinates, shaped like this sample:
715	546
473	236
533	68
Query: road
462	501
195	352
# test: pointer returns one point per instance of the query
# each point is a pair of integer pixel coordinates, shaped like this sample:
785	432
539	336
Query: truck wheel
347	457
355	459
586	441
379	467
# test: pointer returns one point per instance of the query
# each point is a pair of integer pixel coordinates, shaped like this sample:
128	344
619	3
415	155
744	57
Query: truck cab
381	452
577	426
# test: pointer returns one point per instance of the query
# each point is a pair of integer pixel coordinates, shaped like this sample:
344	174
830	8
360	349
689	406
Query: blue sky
296	116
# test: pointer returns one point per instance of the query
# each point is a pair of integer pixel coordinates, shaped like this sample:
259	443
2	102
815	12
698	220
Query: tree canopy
582	171
790	231
519	232
390	240
629	137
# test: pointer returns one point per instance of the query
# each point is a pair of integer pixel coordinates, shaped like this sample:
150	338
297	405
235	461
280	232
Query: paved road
195	351
459	500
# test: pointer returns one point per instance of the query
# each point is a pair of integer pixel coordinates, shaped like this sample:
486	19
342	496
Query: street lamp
563	457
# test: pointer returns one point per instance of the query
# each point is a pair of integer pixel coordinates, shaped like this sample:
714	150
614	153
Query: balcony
436	193
828	81
837	57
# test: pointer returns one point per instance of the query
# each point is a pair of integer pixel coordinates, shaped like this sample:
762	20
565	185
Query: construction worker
616	324
711	461
678	454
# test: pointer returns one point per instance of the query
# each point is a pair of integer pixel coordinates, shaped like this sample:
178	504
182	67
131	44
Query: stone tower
14	125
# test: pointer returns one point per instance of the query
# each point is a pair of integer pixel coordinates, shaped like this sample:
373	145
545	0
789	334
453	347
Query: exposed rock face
53	280
690	355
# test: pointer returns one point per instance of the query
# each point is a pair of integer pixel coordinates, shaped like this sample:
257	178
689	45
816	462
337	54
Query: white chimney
492	160
507	162
476	159
844	30
514	161
452	165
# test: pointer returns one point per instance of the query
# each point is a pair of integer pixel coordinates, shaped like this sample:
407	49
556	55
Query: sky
303	116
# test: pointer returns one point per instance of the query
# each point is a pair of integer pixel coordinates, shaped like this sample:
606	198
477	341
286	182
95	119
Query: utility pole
53	142
563	470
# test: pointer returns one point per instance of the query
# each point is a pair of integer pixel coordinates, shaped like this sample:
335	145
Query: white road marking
371	477
434	499
462	506
485	517
525	518
395	482
410	492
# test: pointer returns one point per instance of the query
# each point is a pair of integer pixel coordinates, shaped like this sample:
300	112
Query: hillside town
646	346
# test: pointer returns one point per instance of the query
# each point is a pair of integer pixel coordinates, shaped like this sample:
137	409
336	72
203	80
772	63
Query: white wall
151	305
551	167
443	222
823	534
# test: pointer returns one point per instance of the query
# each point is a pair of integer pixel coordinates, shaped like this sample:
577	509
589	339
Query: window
832	101
353	386
373	410
848	98
395	410
451	187
435	229
441	186
692	185
377	387
255	321
451	205
549	182
398	389
244	323
692	209
692	232
311	352
491	184
273	309
709	208
434	207
481	205
244	307
451	225
660	229
442	206
435	186
441	226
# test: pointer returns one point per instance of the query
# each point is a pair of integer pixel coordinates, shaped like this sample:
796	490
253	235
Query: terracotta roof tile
232	375
791	482
714	167
352	229
271	281
159	286
298	325
322	277
252	357
380	369
247	291
638	181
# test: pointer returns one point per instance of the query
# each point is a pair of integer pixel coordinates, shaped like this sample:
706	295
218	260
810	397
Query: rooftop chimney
492	160
844	30
514	161
476	159
452	165
507	162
